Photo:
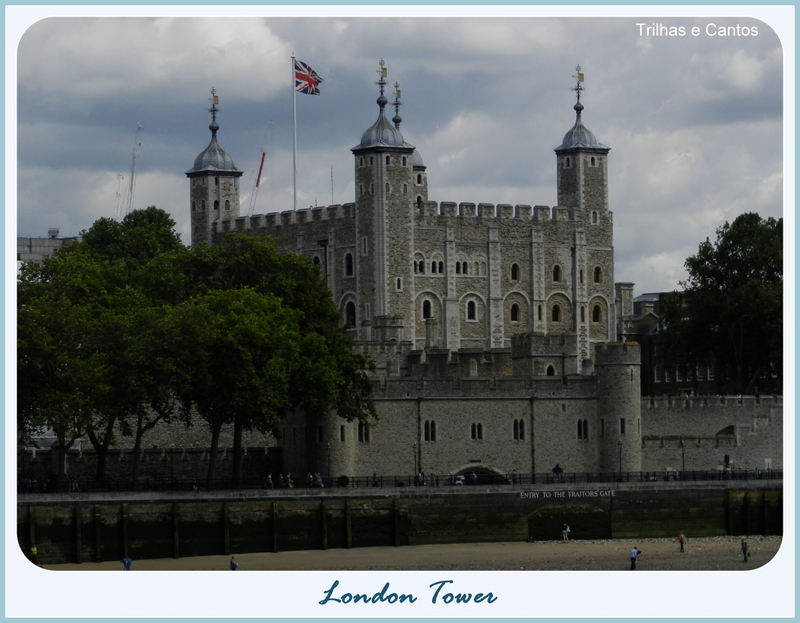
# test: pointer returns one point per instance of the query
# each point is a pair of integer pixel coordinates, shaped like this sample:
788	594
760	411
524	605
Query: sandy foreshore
701	554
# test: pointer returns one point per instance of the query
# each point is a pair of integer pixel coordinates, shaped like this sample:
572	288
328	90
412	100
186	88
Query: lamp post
329	463
415	462
619	451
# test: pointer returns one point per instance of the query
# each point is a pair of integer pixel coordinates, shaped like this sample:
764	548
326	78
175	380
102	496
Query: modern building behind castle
493	327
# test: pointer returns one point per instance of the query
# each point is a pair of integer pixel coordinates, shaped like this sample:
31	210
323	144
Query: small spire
213	110
578	88
382	83
397	104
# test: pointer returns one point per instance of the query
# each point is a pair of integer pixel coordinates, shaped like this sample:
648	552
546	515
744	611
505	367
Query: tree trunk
101	448
237	454
212	460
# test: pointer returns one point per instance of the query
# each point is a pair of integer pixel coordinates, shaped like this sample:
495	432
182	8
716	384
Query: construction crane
132	177
254	195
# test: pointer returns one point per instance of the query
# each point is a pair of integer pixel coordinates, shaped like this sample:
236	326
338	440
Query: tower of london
493	327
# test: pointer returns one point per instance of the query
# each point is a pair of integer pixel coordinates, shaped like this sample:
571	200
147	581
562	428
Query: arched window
203	205
216	204
598	274
361	161
404	161
388	161
556	273
433	268
426	309
539	312
551	371
419	178
405	189
594	162
522	429
387	187
399	284
514	272
363	432
556	313
316	261
348	265
458	268
515	313
430	430
471	310
567	163
216	181
463	268
583	314
350	314
441	266
597	314
477	431
594	217
419	204
516	429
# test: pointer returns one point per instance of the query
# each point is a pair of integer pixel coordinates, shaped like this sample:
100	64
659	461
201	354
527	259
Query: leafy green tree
730	311
102	281
235	353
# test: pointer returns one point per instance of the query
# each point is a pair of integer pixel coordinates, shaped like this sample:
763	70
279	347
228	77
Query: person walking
634	557
565	532
234	564
681	540
126	563
745	551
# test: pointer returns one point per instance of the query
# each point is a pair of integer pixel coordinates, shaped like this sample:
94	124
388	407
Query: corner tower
582	164
385	191
214	184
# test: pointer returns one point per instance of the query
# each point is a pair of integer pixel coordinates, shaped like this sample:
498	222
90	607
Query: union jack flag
306	79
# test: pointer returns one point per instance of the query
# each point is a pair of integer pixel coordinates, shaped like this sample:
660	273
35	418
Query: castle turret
582	164
214	185
385	190
619	406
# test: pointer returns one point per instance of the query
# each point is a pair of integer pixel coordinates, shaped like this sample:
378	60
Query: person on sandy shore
234	564
745	550
681	540
634	557
565	533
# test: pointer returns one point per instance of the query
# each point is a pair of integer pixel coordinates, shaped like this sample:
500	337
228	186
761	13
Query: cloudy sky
694	122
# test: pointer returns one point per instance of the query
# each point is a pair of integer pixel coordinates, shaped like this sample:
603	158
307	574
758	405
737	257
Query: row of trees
128	328
730	313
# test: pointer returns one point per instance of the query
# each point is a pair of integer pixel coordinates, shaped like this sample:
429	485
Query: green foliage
730	313
117	330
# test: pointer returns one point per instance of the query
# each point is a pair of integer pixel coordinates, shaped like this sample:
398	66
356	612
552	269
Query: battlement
626	353
287	218
500	211
711	402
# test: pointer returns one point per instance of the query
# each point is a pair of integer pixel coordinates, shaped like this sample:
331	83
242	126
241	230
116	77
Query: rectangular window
364	246
710	373
622	426
367	311
657	374
678	375
667	376
341	433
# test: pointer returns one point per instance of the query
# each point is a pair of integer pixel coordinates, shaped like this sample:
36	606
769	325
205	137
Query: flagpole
294	132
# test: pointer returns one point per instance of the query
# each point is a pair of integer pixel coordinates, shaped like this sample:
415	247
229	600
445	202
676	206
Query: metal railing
405	482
